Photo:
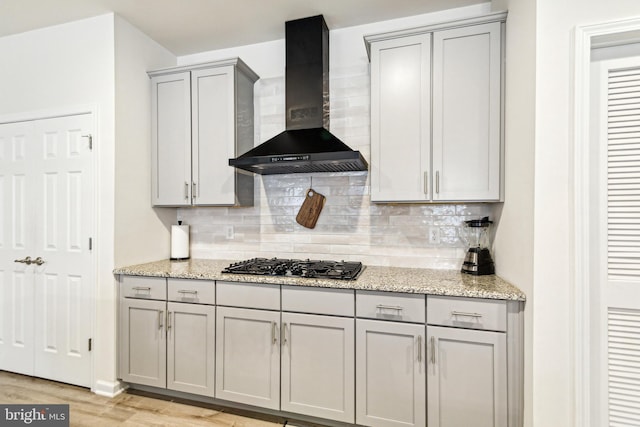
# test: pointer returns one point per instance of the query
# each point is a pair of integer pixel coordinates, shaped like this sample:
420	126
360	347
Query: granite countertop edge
373	278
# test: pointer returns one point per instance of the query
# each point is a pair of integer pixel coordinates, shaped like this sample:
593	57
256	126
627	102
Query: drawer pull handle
186	291
389	307
465	314
142	289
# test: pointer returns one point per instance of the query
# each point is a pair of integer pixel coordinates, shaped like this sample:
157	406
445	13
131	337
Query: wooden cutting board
310	209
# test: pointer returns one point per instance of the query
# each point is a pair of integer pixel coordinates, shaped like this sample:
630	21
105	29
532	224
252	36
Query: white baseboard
109	388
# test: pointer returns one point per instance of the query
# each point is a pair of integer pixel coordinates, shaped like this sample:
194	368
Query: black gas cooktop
295	267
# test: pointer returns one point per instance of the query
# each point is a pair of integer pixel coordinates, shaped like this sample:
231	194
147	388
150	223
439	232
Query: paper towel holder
179	242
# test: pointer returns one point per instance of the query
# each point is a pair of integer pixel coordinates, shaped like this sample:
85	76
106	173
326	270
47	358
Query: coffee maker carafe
478	259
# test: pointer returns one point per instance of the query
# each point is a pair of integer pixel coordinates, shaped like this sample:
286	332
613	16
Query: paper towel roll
179	242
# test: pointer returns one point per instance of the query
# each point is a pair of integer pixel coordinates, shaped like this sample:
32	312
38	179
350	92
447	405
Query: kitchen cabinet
191	348
167	344
390	360
143	345
361	357
436	112
202	115
248	344
318	353
467	363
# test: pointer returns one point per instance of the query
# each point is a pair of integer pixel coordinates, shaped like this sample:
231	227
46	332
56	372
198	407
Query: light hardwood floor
126	409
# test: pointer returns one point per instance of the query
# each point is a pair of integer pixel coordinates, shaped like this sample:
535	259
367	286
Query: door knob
38	261
25	260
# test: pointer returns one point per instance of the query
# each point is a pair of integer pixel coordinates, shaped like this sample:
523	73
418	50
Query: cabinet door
390	374
213	142
248	356
467	113
191	348
171	140
400	119
318	366
143	349
467	378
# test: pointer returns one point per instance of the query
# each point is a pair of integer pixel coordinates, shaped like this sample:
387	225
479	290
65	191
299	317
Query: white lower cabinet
369	360
318	366
143	345
191	348
248	356
390	374
467	378
167	344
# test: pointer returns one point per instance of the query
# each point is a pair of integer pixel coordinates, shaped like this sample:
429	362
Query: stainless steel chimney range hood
306	145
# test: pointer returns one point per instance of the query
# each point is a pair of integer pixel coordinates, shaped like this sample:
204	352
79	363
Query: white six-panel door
16	279
46	186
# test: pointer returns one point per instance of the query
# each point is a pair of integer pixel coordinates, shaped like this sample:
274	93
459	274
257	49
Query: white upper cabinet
400	118
436	112
201	117
466	113
171	139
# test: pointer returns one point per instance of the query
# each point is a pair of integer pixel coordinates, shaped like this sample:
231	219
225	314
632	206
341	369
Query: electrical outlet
229	232
434	235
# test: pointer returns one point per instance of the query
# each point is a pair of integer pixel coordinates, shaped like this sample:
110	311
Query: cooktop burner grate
342	270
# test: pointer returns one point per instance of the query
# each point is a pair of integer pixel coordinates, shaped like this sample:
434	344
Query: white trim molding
109	388
586	38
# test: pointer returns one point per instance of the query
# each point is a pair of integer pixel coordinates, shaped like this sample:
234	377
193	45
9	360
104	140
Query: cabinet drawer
336	302
390	306
143	287
467	313
191	290
249	295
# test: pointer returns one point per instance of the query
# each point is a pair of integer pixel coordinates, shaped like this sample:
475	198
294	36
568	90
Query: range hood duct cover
306	145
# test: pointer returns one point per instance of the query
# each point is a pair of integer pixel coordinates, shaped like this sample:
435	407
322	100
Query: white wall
513	244
553	335
350	226
141	232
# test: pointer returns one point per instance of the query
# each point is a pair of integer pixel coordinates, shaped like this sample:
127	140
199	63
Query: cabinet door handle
186	190
437	182
160	318
274	338
284	333
426	182
194	194
433	350
465	314
419	348
168	320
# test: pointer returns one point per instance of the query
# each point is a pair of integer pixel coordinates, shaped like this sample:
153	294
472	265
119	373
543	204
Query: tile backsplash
350	227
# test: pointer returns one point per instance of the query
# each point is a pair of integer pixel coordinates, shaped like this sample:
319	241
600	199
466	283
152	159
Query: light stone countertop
374	278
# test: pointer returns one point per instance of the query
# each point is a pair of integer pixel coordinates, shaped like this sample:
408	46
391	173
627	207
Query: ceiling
190	26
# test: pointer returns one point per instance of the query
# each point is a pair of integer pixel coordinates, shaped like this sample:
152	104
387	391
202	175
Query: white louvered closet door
620	230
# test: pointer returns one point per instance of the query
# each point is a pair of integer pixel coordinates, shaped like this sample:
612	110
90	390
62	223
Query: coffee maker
478	259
